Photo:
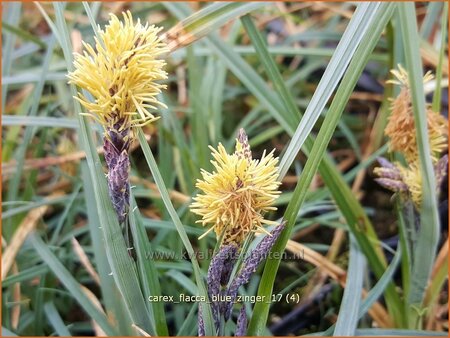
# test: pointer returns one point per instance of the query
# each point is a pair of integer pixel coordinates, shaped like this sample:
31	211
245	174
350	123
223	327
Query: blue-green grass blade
428	235
55	319
399	332
347	320
356	30
12	14
186	328
7	333
202	22
377	290
431	17
71	284
111	296
147	271
14	184
39	121
436	105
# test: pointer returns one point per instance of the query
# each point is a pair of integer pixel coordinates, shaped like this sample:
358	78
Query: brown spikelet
401	128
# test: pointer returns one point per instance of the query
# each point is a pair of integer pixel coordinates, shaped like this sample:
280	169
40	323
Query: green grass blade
322	52
14	184
436	105
407	234
376	291
71	284
355	68
428	236
31	205
63	217
347	320
199	112
399	332
7	333
112	299
381	285
148	272
55	319
23	34
351	139
204	21
437	283
248	76
430	19
24	275
39	121
91	18
344	52
186	328
183	281
13	10
207	314
390	333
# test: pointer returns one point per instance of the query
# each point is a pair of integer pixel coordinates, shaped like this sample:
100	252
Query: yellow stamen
121	73
235	197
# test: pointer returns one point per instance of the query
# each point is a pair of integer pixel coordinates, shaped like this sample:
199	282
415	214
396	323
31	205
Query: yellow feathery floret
121	73
401	127
235	197
413	179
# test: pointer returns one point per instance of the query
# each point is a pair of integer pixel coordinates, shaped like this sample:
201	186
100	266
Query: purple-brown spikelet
201	324
393	185
217	266
250	265
116	146
388	169
386	163
390	176
441	170
228	265
241	323
220	265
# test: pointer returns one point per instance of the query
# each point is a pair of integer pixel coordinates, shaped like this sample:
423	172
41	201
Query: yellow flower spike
401	129
238	193
121	73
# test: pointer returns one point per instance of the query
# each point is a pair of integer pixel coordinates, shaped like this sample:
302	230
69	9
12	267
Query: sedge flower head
407	180
121	73
235	197
401	128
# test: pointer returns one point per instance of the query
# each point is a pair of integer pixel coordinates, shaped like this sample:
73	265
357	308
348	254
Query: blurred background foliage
58	278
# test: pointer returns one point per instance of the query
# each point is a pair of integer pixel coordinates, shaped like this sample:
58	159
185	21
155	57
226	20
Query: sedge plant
234	199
